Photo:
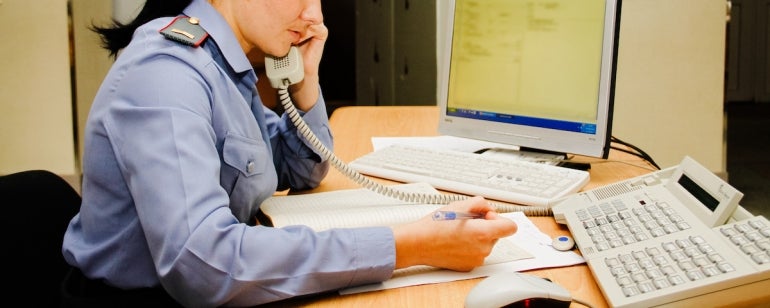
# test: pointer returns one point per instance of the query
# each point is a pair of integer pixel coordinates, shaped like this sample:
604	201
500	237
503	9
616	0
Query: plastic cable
367	183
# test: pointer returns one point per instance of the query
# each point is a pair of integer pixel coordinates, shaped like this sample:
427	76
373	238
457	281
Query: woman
180	152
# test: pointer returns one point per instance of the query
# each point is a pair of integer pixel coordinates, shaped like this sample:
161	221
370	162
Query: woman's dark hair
117	35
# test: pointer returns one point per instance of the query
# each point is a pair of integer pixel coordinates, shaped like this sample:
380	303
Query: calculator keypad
668	264
752	237
616	223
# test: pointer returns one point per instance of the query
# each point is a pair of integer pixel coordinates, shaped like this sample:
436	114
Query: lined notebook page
361	208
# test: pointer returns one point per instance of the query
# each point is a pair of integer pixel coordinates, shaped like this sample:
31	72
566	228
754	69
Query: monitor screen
531	73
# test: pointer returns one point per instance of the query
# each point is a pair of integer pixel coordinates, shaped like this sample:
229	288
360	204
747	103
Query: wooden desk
353	128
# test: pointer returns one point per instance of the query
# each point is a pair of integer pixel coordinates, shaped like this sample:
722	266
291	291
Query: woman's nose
313	13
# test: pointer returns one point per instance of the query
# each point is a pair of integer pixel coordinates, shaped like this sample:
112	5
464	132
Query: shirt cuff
318	122
376	255
316	115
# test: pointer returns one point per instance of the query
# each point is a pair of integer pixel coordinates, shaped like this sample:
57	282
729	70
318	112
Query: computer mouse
514	289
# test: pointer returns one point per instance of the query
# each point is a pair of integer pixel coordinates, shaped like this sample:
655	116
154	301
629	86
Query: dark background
337	72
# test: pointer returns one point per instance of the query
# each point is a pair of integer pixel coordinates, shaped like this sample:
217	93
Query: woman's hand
312	46
459	245
305	94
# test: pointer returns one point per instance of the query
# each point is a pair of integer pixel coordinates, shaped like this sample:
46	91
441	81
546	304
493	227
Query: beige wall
40	117
36	128
670	80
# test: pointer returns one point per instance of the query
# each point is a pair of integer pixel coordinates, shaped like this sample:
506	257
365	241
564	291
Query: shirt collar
220	31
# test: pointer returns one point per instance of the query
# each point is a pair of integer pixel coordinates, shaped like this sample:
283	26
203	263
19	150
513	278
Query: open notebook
529	248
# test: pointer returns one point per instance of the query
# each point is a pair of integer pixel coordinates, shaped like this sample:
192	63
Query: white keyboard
499	178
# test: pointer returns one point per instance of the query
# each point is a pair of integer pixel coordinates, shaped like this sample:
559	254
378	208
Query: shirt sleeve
298	165
203	256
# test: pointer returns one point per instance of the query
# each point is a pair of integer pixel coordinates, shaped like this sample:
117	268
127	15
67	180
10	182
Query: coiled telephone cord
367	183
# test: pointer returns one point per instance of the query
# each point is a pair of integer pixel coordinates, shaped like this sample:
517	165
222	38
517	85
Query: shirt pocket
249	156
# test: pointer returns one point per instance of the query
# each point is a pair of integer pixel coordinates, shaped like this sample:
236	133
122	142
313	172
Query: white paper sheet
442	142
528	237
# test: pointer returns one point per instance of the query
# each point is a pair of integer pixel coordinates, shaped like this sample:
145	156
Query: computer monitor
536	74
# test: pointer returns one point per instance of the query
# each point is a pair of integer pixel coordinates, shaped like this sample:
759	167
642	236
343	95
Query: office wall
395	46
748	52
36	130
670	80
44	109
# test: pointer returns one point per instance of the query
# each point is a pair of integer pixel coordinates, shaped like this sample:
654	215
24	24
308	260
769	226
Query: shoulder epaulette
186	30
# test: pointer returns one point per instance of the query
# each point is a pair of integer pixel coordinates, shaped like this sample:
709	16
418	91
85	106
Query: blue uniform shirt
175	167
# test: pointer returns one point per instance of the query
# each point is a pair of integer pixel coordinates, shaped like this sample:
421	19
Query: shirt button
250	167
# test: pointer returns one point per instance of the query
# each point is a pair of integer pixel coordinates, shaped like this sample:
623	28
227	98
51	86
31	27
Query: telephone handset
287	70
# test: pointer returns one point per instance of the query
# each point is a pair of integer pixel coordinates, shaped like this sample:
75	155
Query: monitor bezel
538	138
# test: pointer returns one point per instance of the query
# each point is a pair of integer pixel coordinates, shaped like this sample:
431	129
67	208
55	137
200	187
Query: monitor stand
540	156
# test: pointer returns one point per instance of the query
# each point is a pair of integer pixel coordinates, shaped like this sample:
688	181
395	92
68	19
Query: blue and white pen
452	215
